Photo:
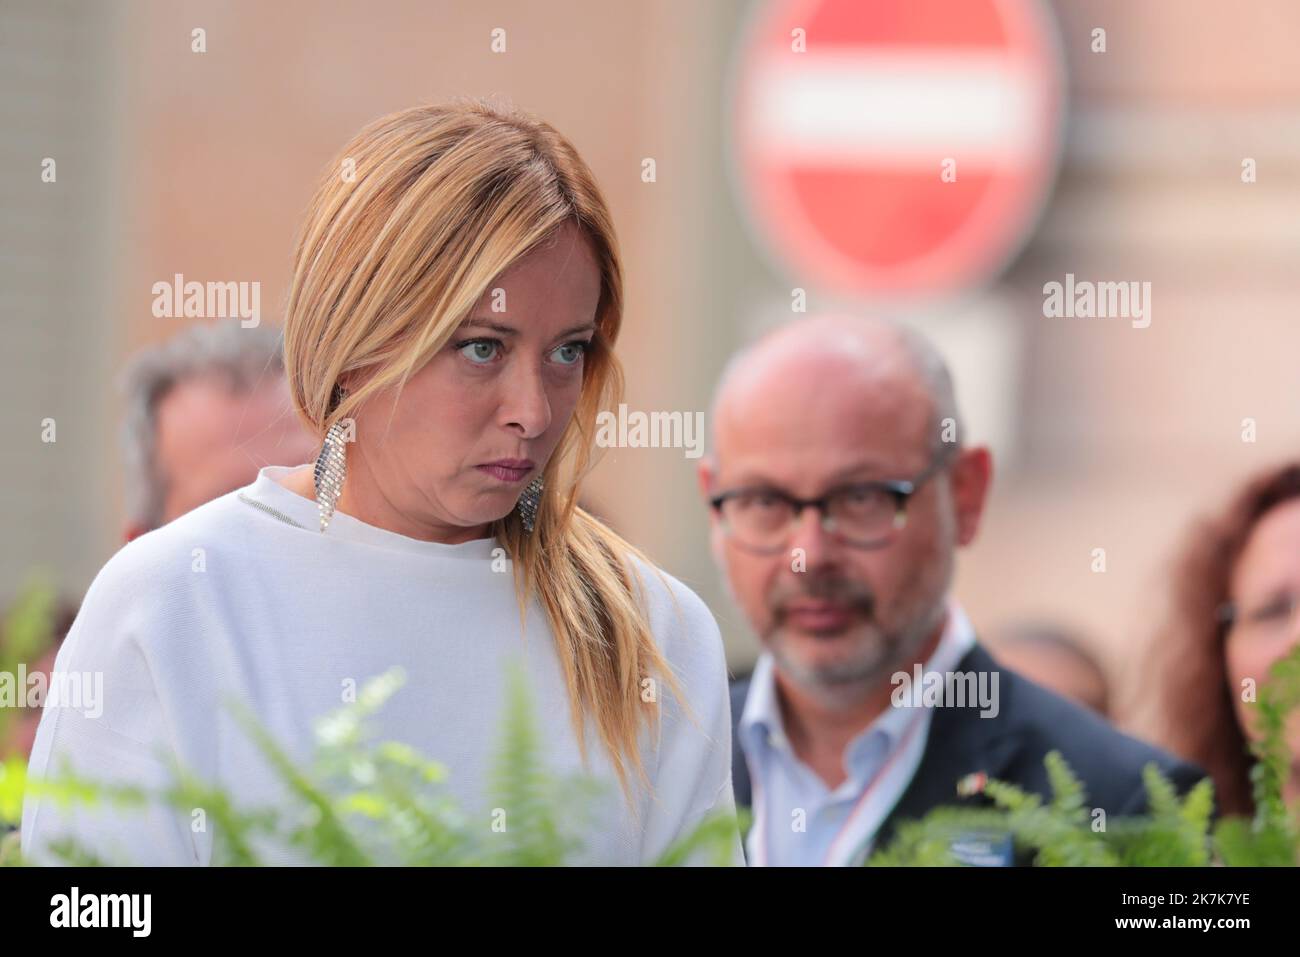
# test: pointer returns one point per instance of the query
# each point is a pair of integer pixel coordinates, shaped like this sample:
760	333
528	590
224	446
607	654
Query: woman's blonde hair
407	229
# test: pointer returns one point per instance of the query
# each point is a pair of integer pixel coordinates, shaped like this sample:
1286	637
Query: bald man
839	489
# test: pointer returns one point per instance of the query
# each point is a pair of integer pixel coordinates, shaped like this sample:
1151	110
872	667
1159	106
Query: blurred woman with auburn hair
1236	589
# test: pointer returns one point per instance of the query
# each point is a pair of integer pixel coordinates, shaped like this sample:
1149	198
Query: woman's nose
527	406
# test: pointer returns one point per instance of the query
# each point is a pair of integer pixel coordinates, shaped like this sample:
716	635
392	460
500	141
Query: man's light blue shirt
803	816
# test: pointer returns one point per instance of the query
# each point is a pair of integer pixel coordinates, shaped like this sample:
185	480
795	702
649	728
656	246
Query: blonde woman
456	296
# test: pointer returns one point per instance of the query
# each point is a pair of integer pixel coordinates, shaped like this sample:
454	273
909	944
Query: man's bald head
808	352
846	414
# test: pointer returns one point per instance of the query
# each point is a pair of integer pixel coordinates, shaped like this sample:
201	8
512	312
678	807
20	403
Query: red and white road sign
907	149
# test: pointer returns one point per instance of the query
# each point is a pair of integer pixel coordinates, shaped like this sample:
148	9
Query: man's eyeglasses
861	514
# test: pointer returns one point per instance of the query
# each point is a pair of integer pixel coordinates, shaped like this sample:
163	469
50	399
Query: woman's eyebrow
512	331
489	324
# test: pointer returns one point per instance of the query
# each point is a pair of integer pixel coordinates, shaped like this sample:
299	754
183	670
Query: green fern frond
710	842
524	825
320	830
1068	796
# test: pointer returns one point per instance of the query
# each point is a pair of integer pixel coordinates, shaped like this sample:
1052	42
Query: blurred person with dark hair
840	489
206	409
1058	660
1233	613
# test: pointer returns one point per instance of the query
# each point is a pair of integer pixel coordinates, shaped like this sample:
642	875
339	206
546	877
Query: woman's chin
486	509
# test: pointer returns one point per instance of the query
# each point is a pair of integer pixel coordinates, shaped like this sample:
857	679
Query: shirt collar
760	720
762	712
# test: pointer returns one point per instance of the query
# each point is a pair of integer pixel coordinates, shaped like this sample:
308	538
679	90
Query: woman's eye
1279	609
570	353
479	351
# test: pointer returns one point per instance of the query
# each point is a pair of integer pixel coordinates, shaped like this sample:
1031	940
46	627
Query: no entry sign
889	149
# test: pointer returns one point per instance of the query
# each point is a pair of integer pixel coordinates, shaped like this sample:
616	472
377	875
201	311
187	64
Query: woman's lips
504	472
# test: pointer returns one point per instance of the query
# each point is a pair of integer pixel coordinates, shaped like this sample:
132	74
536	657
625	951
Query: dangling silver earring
529	501
331	466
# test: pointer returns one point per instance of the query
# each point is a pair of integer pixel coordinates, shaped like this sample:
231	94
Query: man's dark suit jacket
1031	721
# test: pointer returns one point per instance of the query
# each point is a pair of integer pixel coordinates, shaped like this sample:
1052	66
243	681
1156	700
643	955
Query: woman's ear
349	383
355	379
336	396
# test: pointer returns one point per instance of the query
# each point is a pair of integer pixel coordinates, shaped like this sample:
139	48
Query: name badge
983	849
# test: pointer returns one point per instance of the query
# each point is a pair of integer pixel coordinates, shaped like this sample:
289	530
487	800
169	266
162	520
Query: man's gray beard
858	677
